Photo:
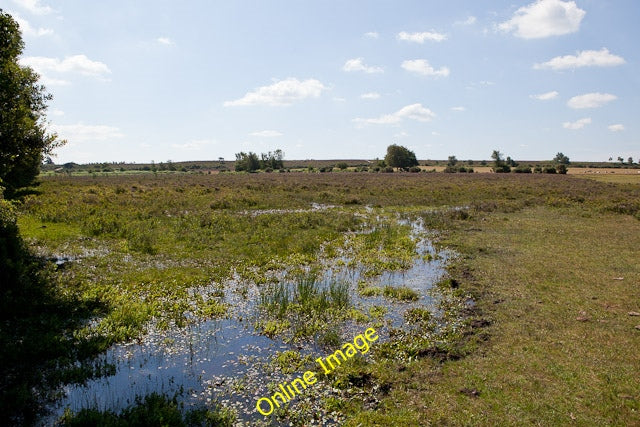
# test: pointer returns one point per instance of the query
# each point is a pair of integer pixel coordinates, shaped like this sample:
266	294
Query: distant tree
620	159
561	159
610	159
342	165
470	162
511	162
630	160
400	157
272	160
451	161
499	165
247	162
24	139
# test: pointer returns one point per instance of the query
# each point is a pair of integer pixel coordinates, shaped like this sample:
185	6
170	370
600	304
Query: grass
560	348
537	253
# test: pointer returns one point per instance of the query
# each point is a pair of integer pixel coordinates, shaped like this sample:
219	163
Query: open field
498	298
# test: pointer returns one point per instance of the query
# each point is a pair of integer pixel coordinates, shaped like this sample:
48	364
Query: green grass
535	252
560	348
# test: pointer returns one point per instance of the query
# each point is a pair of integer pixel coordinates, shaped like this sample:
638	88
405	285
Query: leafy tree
400	157
24	140
499	165
452	161
561	159
630	160
272	160
620	159
247	162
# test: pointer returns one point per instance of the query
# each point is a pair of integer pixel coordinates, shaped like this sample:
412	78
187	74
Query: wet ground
228	361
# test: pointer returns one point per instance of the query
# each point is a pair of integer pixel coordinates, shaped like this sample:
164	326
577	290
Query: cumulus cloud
34	6
29	31
585	58
591	100
413	112
266	133
578	124
421	37
370	95
616	128
80	132
545	96
422	66
165	41
281	93
545	18
71	64
357	64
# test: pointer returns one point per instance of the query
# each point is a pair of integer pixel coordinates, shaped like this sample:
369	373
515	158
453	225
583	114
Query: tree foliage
561	159
400	157
24	140
247	162
499	165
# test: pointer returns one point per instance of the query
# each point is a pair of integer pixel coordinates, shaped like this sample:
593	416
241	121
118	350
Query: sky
162	80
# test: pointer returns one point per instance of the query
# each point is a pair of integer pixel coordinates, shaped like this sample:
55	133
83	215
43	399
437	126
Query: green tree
499	165
247	162
24	140
561	159
452	161
400	157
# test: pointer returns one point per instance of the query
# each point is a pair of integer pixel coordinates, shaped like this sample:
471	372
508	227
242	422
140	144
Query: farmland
500	298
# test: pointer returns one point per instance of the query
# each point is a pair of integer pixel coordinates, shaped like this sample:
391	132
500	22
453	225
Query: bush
342	165
414	169
522	169
561	169
549	169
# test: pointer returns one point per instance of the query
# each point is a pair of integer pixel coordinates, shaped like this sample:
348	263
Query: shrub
561	169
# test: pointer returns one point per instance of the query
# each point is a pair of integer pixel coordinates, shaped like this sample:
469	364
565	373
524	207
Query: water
227	360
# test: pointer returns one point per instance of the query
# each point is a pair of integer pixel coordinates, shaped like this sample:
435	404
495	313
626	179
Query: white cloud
402	134
281	93
29	31
370	95
56	112
266	134
616	128
165	41
578	124
422	66
195	144
545	18
414	112
71	64
545	96
421	37
357	64
591	100
372	35
469	21
460	109
585	58
86	133
34	6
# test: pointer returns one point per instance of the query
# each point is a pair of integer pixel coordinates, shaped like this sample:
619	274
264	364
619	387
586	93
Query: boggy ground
549	339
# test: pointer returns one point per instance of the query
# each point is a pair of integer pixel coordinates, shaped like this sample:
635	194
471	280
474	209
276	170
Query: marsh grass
143	241
305	304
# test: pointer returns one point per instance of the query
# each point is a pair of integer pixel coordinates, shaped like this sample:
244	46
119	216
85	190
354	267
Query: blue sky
197	80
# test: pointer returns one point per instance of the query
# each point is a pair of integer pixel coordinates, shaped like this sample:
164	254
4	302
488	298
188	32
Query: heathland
532	321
